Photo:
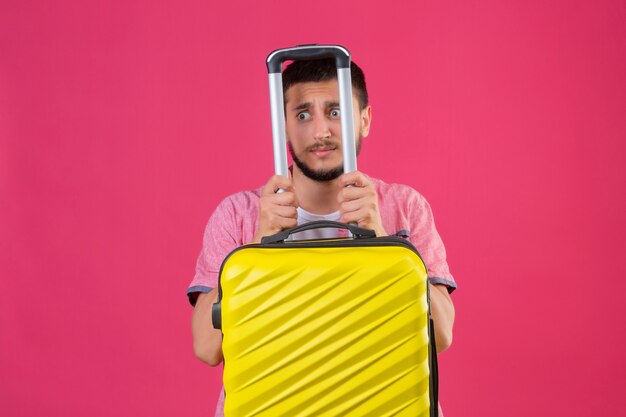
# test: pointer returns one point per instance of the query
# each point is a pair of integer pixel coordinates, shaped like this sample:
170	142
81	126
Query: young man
317	190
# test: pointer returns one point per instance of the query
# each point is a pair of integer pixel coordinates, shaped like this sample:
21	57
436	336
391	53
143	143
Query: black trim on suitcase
216	314
434	370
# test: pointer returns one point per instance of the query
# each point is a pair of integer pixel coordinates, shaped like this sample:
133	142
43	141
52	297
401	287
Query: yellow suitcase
326	328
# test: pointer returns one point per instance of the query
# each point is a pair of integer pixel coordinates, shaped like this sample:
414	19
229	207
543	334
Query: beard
320	175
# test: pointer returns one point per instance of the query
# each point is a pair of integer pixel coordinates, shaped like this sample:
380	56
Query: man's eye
334	113
303	116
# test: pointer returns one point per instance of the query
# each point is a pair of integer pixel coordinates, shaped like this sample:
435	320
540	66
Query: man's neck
317	197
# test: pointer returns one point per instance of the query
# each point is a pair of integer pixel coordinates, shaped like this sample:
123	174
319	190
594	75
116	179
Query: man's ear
366	120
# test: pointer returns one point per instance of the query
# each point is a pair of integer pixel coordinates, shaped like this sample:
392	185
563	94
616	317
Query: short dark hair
318	70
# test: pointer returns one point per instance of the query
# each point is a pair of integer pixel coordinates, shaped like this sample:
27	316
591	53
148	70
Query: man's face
314	129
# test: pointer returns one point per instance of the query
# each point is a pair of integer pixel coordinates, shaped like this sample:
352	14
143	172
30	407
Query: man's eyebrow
303	106
306	105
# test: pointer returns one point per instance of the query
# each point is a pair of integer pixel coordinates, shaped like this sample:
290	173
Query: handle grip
306	52
357	232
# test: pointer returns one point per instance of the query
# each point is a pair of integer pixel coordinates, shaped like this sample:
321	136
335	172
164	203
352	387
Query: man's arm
442	312
207	341
277	211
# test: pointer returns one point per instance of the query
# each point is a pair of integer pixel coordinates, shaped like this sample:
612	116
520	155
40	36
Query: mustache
322	144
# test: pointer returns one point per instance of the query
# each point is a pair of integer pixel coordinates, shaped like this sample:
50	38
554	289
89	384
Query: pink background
123	124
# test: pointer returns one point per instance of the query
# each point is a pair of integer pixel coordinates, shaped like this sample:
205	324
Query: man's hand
359	203
277	211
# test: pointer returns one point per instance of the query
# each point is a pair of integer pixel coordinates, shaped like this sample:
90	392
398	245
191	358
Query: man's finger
287	198
354	193
354	178
286	212
287	222
357	217
276	183
353	205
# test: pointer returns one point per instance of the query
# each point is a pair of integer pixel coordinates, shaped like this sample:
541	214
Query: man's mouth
322	151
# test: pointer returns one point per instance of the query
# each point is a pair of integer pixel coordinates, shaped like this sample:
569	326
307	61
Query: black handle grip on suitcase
357	232
306	52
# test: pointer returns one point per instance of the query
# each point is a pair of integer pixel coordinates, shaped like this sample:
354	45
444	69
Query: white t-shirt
306	217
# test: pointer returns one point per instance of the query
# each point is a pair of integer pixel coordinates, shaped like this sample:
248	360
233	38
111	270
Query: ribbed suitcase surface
325	329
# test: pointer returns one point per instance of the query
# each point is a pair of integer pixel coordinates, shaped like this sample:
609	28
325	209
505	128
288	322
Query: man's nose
322	129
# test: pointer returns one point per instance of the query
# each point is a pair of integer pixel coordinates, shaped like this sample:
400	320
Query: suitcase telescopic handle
357	232
344	80
305	52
